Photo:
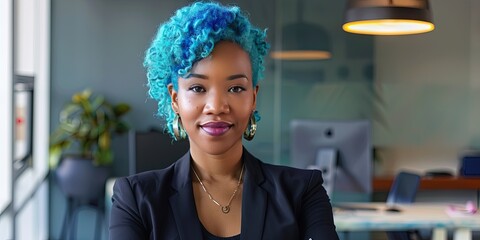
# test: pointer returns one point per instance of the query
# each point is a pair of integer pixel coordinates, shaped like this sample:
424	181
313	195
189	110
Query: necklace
226	208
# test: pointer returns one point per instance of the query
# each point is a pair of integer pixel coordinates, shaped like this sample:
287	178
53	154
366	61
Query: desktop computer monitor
342	150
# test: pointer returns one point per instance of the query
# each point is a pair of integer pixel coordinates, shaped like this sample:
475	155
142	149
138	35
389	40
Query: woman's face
215	101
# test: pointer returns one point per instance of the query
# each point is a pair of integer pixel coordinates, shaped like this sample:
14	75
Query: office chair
403	191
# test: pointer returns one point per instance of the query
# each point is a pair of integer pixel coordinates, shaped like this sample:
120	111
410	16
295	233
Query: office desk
384	183
417	216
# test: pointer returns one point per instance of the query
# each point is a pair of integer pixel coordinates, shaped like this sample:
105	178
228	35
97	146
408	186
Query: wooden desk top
381	184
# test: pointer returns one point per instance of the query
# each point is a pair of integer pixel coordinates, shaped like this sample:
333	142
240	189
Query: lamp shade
388	17
303	41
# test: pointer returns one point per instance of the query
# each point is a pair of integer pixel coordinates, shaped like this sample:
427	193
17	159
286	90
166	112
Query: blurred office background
420	92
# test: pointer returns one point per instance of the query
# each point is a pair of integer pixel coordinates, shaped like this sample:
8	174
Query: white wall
26	36
37	15
5	103
34	22
31	52
32	220
430	85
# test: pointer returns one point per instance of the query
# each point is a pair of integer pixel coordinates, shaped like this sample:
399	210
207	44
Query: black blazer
278	202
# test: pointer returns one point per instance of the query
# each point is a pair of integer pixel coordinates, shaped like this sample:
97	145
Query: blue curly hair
189	36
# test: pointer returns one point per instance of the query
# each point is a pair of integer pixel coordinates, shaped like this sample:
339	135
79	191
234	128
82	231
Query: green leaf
101	128
57	136
87	107
97	102
69	111
54	157
81	96
121	109
94	133
70	127
103	158
121	127
84	130
100	116
104	141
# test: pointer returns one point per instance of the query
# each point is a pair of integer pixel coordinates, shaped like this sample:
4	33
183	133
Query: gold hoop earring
251	128
178	129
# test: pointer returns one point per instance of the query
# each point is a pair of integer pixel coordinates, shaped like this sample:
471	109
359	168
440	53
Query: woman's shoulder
147	179
290	181
294	175
284	169
276	170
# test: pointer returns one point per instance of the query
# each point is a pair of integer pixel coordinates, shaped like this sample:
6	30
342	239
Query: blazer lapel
254	199
183	205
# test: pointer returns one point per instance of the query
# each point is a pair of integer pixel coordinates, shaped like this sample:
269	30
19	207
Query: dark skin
215	103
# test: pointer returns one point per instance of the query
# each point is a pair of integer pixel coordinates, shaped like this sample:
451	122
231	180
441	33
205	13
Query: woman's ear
173	97
255	91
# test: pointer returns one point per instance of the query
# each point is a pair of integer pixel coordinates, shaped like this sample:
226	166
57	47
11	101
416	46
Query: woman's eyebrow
202	76
196	75
236	76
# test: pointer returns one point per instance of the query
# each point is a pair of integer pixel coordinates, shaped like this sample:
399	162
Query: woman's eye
197	89
236	89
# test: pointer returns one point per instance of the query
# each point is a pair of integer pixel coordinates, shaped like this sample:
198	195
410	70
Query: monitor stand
326	162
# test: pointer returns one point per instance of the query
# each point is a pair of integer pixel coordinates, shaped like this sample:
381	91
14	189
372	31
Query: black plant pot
81	180
82	183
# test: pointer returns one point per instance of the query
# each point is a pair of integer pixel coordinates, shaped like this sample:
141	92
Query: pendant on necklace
225	209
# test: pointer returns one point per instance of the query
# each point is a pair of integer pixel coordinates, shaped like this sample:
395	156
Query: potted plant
87	124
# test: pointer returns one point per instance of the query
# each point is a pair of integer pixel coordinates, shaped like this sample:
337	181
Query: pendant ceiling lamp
303	41
388	17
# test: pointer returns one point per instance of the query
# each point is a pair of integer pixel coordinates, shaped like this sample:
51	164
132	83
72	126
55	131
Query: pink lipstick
216	128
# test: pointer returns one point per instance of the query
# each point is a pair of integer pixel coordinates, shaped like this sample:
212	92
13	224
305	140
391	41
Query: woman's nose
217	103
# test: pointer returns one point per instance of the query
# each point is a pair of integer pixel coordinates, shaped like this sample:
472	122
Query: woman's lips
216	128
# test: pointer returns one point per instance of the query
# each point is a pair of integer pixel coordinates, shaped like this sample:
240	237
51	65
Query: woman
203	67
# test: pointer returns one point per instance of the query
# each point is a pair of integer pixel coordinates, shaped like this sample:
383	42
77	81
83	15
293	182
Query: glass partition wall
340	87
420	92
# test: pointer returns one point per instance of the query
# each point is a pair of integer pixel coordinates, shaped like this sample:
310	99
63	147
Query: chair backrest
404	188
